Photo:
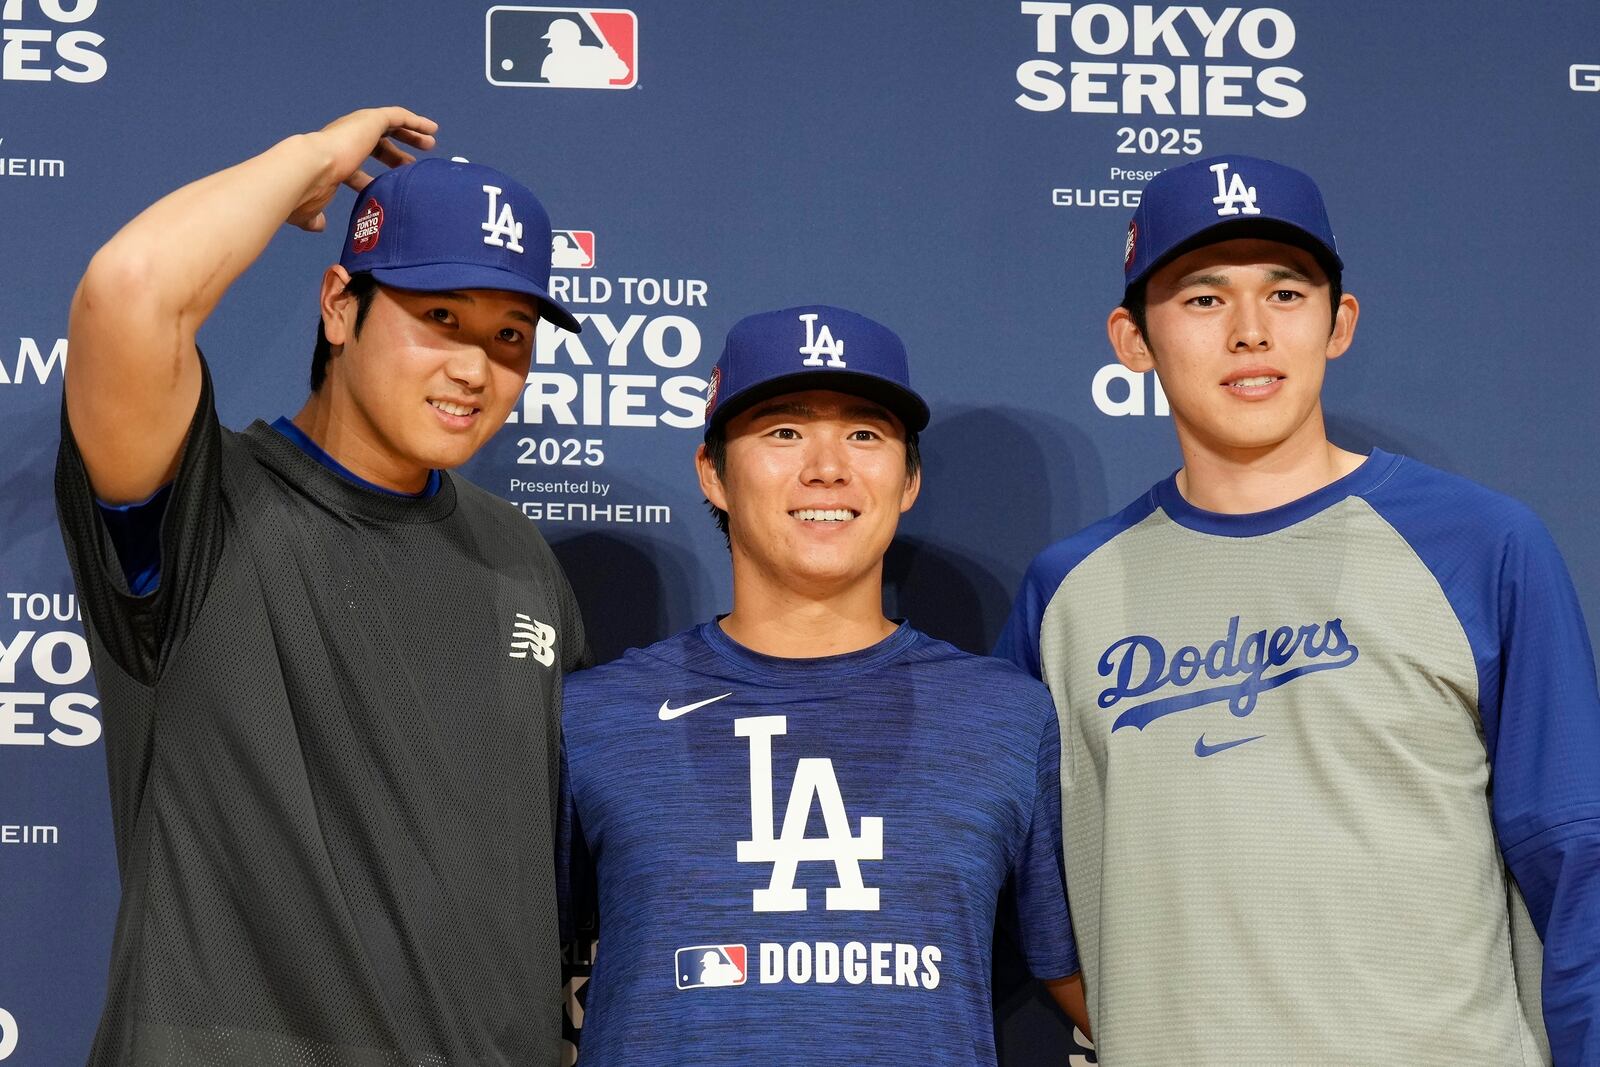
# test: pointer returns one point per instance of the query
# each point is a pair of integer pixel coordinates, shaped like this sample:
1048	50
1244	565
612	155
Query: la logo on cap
1235	197
503	229
819	345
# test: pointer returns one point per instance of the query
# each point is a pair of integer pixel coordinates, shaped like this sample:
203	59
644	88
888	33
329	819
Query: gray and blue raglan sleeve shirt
1302	751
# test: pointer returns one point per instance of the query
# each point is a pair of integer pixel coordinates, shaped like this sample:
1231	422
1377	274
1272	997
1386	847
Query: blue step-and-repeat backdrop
963	171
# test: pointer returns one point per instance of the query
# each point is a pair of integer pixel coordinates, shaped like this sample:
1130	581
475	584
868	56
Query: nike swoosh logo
668	713
1203	750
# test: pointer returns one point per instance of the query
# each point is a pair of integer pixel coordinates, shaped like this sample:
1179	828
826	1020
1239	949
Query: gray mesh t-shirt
331	737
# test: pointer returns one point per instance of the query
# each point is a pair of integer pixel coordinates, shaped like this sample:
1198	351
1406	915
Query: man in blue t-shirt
802	817
1329	721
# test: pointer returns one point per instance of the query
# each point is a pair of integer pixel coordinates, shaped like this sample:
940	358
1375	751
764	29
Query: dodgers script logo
1235	196
502	227
820	344
813	778
562	47
1140	665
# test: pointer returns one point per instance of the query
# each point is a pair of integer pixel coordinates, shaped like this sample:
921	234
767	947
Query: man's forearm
185	250
1068	993
133	377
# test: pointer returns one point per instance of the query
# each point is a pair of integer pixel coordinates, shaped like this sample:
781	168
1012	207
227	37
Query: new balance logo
502	227
1235	197
532	637
813	778
819	345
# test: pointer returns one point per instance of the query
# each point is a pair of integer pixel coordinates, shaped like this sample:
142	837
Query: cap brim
907	406
443	277
1229	229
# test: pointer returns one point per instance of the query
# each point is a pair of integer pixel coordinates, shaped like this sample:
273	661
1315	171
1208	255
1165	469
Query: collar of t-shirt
312	449
1373	472
779	670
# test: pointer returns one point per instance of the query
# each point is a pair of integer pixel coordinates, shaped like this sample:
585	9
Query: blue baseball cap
813	346
1198	203
439	224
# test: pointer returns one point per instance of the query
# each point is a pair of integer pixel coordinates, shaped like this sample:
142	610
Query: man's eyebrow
1219	280
1278	274
791	409
874	412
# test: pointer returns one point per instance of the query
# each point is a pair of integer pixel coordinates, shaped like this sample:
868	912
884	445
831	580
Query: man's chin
448	453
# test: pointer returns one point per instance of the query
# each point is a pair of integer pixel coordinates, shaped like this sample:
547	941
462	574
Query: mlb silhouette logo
710	966
571	249
562	47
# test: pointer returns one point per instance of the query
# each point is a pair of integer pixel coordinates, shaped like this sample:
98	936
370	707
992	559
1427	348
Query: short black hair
363	287
717	449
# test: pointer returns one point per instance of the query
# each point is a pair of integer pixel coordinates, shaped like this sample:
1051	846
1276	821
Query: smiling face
814	484
429	378
1239	333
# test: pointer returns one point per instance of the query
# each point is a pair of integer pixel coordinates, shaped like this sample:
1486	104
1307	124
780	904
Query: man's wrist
306	154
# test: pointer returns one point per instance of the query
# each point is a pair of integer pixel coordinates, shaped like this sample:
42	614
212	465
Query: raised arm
133	375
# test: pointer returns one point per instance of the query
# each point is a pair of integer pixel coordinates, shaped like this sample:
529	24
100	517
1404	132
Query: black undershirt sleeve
139	632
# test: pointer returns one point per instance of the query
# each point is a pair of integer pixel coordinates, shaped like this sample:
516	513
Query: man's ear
338	306
1127	342
1344	326
710	483
913	487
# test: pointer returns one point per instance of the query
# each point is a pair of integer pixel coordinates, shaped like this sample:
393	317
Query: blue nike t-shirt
801	861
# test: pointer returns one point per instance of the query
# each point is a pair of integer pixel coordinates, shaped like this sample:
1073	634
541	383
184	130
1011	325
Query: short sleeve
139	631
1038	877
576	896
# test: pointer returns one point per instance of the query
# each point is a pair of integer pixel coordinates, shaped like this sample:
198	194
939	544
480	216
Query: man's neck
797	623
1242	482
339	432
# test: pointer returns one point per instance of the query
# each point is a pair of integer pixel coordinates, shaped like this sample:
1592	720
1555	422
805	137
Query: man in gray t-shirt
330	671
1329	721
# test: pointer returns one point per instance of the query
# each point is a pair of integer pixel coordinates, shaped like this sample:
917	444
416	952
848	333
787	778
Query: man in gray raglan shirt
1329	721
330	671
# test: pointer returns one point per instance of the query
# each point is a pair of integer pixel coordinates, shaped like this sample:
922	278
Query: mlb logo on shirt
571	249
707	966
562	47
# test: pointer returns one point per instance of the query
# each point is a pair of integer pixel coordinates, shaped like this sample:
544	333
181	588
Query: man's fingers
391	155
359	180
388	119
398	118
414	138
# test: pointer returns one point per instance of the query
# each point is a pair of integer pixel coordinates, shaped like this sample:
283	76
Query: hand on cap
347	142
